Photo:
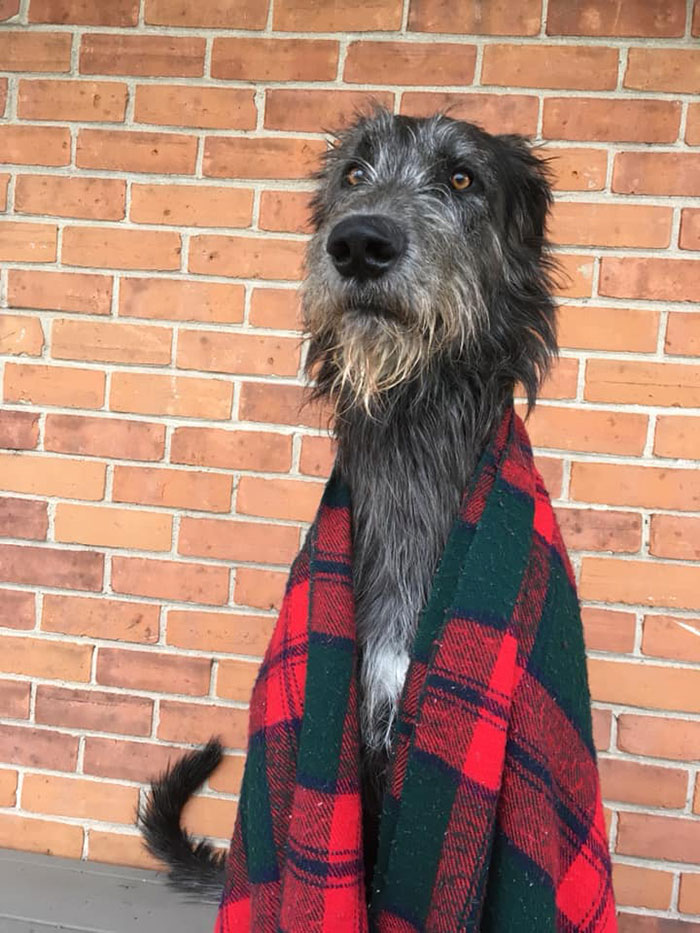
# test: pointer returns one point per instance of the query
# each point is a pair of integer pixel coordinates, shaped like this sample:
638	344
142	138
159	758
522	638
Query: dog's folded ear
527	190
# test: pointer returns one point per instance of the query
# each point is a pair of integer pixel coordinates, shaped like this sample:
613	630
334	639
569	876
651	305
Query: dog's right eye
355	176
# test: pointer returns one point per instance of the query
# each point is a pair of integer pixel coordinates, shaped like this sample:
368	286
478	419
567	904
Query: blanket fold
492	819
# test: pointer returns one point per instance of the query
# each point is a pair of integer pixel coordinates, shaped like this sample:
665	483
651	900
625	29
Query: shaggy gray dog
427	299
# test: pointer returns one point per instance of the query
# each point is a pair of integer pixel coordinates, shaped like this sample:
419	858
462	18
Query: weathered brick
8	788
136	151
169	579
185	397
100	617
205	107
588	430
85	12
23	518
54	385
637	886
295	109
575	223
49	660
689	897
48	837
34	145
608	629
262	59
17	609
663	70
21	335
232	450
261	589
641	383
79	797
408	63
600	328
677	437
181	300
43	566
597	119
88	198
639	486
126	760
248	257
598	530
235	679
285	211
14	699
279	404
111	527
191	205
658	736
244	14
234	540
661	173
275	307
654	18
77	292
267	157
467	17
668	637
278	498
497	113
110	342
25	50
649	278
220	632
121	248
172	488
94	710
196	722
153	671
52	476
649	835
690	229
104	437
341	16
19	430
84	101
239	354
673	586
27	242
119	849
551	66
157	56
648	785
38	748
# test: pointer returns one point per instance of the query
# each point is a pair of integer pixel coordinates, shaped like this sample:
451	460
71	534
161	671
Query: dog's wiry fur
418	364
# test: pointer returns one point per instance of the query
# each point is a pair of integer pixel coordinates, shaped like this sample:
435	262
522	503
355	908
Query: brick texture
157	468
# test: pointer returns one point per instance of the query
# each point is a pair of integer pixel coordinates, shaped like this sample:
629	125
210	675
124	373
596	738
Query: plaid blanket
492	819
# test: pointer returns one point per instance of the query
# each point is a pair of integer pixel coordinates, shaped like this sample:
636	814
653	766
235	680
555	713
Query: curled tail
194	867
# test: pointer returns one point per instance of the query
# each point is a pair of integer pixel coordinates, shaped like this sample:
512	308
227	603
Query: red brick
683	334
136	151
463	16
676	586
8	788
17	609
45	836
119	849
197	722
626	329
269	157
261	589
663	70
312	110
226	539
561	380
121	248
279	404
23	518
238	354
191	205
219	632
658	737
60	291
692	129
649	278
659	837
94	710
111	343
662	173
667	637
690	229
677	437
169	579
642	383
54	385
53	476
648	785
608	630
100	617
185	397
588	430
153	671
285	211
19	430
27	242
497	113
79	798
34	145
208	815
89	198
43	566
638	486
103	101
589	119
248	257
552	66
109	527
278	498
244	14
675	536
689	898
339	16
655	18
4	177
85	12
235	679
49	660
104	437
228	776
636	886
30	50
263	59
8	9
181	300
21	335
576	223
207	107
157	56
317	456
232	450
177	489
574	275
38	748
597	530
409	63
275	307
125	760
14	699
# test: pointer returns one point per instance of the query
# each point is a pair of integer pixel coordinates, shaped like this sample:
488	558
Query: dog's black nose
365	246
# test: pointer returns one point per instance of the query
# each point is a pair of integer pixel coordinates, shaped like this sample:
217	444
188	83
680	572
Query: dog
427	299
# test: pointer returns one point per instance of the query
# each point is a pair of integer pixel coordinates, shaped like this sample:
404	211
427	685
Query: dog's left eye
355	176
460	180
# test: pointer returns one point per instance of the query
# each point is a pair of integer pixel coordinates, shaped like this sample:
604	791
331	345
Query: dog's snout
365	246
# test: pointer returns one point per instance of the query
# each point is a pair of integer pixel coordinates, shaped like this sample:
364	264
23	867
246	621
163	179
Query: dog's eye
355	176
460	180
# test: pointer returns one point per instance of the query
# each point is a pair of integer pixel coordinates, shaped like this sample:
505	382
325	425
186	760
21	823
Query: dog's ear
527	190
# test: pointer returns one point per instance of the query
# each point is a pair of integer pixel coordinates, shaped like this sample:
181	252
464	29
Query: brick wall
157	475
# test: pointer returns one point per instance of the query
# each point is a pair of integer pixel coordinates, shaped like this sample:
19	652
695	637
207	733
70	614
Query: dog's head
429	247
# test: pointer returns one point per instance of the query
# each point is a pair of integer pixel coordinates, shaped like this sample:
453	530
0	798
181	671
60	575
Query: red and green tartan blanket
492	820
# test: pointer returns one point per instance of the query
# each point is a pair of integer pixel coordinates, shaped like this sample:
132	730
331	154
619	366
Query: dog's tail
194	867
